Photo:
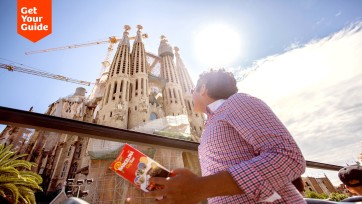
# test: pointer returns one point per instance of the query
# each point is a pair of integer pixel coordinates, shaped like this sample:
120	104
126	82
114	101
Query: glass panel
60	157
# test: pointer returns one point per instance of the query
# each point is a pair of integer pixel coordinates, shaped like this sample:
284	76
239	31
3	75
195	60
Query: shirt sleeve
278	160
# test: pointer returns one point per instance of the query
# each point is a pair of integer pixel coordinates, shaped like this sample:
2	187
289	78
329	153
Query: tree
312	194
337	196
17	183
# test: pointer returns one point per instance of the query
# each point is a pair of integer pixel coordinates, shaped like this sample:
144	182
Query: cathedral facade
139	88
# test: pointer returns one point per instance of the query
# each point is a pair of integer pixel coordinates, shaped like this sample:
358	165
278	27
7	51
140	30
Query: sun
217	45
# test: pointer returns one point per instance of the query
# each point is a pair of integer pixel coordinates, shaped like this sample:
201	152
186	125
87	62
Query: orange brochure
138	168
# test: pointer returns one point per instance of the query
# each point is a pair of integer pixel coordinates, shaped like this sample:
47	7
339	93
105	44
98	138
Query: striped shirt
244	137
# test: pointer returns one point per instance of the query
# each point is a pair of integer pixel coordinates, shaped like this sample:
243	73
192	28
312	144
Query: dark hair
350	173
219	84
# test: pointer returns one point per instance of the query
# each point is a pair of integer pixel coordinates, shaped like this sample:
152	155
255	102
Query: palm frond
21	163
11	188
22	199
10	179
6	155
27	193
6	149
16	183
31	175
28	183
8	171
2	146
15	157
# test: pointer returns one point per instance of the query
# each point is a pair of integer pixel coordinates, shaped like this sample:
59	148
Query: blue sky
266	29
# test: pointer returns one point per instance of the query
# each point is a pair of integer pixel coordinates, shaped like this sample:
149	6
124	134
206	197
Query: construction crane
111	40
42	74
155	60
240	74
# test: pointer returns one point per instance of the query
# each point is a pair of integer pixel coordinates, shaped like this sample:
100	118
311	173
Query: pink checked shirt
244	137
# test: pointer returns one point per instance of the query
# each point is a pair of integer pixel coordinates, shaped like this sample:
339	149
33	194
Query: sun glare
217	46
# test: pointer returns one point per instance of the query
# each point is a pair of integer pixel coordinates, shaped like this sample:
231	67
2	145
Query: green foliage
333	196
17	182
312	194
337	196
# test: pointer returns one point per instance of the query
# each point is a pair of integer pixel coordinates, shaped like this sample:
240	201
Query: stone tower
114	105
138	95
196	119
173	99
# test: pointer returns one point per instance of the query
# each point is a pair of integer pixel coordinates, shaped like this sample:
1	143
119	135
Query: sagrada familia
139	91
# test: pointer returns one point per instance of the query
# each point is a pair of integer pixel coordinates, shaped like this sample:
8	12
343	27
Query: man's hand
183	187
186	187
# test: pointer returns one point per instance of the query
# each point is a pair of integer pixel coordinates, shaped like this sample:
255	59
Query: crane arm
111	40
67	47
42	74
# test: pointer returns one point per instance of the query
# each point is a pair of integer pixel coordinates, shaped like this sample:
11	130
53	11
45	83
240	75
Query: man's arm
186	187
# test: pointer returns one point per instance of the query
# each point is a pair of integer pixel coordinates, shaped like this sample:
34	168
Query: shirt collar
215	105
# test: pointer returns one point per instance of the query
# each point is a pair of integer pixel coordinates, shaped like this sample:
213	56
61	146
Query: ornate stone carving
73	107
96	110
120	111
79	110
143	105
184	111
66	106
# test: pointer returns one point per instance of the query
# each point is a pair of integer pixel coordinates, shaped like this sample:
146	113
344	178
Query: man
246	153
351	176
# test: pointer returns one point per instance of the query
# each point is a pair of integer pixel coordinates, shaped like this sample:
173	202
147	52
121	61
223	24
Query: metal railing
27	119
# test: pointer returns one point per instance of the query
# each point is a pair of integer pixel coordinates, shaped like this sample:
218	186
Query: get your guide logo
34	19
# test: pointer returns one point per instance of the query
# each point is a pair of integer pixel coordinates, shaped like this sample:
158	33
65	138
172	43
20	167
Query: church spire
196	120
185	79
138	56
172	93
164	48
139	35
113	108
122	56
125	39
168	67
138	97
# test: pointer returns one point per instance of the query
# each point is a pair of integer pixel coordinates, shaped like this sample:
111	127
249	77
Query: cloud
326	122
293	46
315	89
338	14
320	21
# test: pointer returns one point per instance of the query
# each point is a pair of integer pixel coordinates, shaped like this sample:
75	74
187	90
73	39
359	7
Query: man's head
351	176
212	86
